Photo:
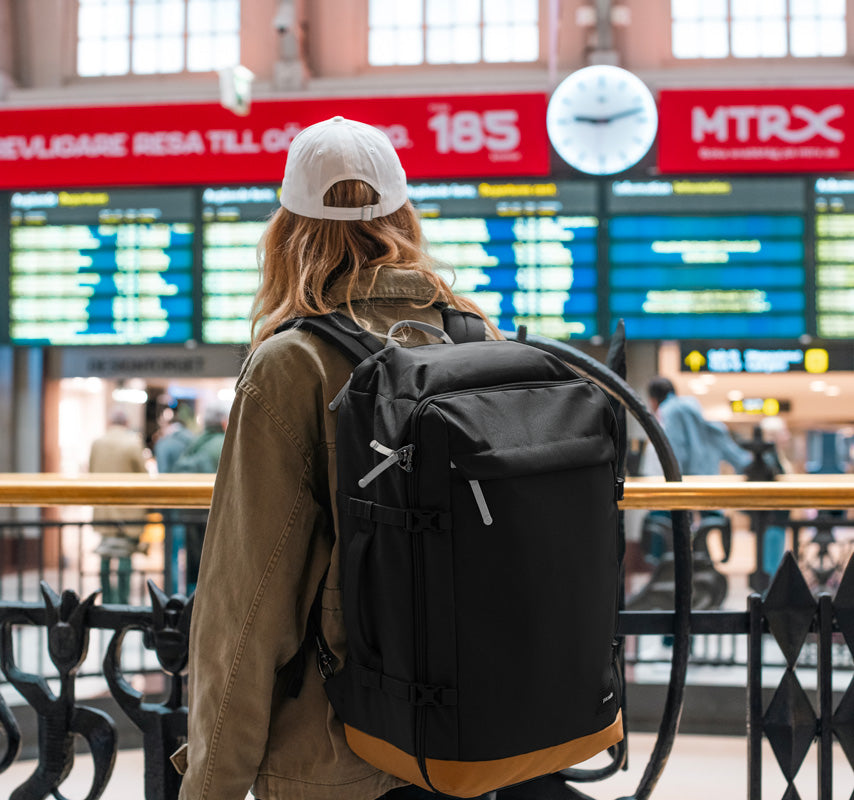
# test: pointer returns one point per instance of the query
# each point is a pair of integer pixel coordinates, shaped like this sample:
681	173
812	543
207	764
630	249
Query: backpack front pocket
530	567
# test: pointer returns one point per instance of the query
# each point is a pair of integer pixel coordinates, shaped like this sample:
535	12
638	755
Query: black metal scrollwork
59	717
163	725
13	736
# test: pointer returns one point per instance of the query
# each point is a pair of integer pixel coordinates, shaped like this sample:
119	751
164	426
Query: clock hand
592	120
627	113
606	120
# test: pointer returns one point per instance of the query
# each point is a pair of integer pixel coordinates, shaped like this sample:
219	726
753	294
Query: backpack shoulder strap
463	326
337	329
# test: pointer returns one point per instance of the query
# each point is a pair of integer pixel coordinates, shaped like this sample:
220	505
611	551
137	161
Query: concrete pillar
7	48
28	392
42	30
7	411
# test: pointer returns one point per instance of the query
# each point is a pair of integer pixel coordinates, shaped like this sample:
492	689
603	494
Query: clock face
602	119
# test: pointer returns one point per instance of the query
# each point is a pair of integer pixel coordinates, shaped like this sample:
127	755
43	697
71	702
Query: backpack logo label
608	697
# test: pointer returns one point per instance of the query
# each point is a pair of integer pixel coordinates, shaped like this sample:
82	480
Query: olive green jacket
268	543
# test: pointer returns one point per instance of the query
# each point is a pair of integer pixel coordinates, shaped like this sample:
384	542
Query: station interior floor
699	768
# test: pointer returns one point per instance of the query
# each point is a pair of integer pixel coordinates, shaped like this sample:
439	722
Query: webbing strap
410	519
357	343
339	330
294	671
417	694
463	326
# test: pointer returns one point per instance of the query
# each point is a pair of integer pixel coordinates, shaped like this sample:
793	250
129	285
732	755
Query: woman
346	238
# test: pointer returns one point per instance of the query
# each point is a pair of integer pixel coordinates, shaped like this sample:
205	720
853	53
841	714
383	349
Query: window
406	32
144	37
758	28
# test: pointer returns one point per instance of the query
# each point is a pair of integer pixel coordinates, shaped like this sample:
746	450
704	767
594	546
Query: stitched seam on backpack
247	627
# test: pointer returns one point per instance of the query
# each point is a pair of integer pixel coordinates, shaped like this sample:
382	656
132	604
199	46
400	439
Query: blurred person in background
201	455
175	438
698	444
203	451
119	449
774	430
176	435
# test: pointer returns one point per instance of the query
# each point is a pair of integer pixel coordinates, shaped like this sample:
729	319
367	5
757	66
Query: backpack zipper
402	457
479	499
420	599
336	401
415	425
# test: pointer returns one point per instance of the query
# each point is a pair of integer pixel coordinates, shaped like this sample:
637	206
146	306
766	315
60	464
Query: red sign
756	130
455	136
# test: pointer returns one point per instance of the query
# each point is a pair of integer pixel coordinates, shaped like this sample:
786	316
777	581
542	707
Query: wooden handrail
194	491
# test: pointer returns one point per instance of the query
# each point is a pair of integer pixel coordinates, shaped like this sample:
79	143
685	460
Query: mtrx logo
793	125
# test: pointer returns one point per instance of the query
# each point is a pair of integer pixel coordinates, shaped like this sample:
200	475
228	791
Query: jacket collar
390	284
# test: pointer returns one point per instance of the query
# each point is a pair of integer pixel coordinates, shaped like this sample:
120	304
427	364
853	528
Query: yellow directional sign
816	359
771	407
695	361
767	406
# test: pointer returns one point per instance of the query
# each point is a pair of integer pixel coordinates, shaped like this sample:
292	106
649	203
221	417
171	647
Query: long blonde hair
300	257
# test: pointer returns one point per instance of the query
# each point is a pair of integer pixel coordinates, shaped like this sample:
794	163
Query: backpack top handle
463	326
426	327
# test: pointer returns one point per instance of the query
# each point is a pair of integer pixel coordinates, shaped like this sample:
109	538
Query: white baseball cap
336	150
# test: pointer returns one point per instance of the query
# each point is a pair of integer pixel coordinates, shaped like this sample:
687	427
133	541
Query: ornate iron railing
787	611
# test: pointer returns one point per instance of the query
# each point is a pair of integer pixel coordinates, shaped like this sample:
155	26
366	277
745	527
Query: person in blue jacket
699	445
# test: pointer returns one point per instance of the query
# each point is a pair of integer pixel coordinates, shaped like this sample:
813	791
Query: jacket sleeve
674	426
264	554
730	450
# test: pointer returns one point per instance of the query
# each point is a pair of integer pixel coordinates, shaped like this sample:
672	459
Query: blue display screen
524	261
834	258
233	222
689	259
709	276
101	267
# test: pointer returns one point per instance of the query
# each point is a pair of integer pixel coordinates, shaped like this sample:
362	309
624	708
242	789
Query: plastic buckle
421	695
418	521
326	662
619	489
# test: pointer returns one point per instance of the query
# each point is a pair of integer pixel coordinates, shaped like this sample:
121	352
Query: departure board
101	267
233	221
700	259
834	257
525	252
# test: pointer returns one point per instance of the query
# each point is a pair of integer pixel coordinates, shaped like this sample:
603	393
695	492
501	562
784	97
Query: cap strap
362	212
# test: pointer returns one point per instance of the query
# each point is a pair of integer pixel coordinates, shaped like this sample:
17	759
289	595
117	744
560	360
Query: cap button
338	119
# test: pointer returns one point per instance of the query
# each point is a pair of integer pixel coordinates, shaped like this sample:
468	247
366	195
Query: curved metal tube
615	386
12	734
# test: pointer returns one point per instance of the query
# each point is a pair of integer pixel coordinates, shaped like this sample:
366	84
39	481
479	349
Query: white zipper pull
380	448
479	499
336	401
402	457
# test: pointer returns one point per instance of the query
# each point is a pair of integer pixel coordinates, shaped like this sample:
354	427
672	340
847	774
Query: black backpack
477	501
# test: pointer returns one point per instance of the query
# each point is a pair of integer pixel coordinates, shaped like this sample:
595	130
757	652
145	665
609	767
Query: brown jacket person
346	238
